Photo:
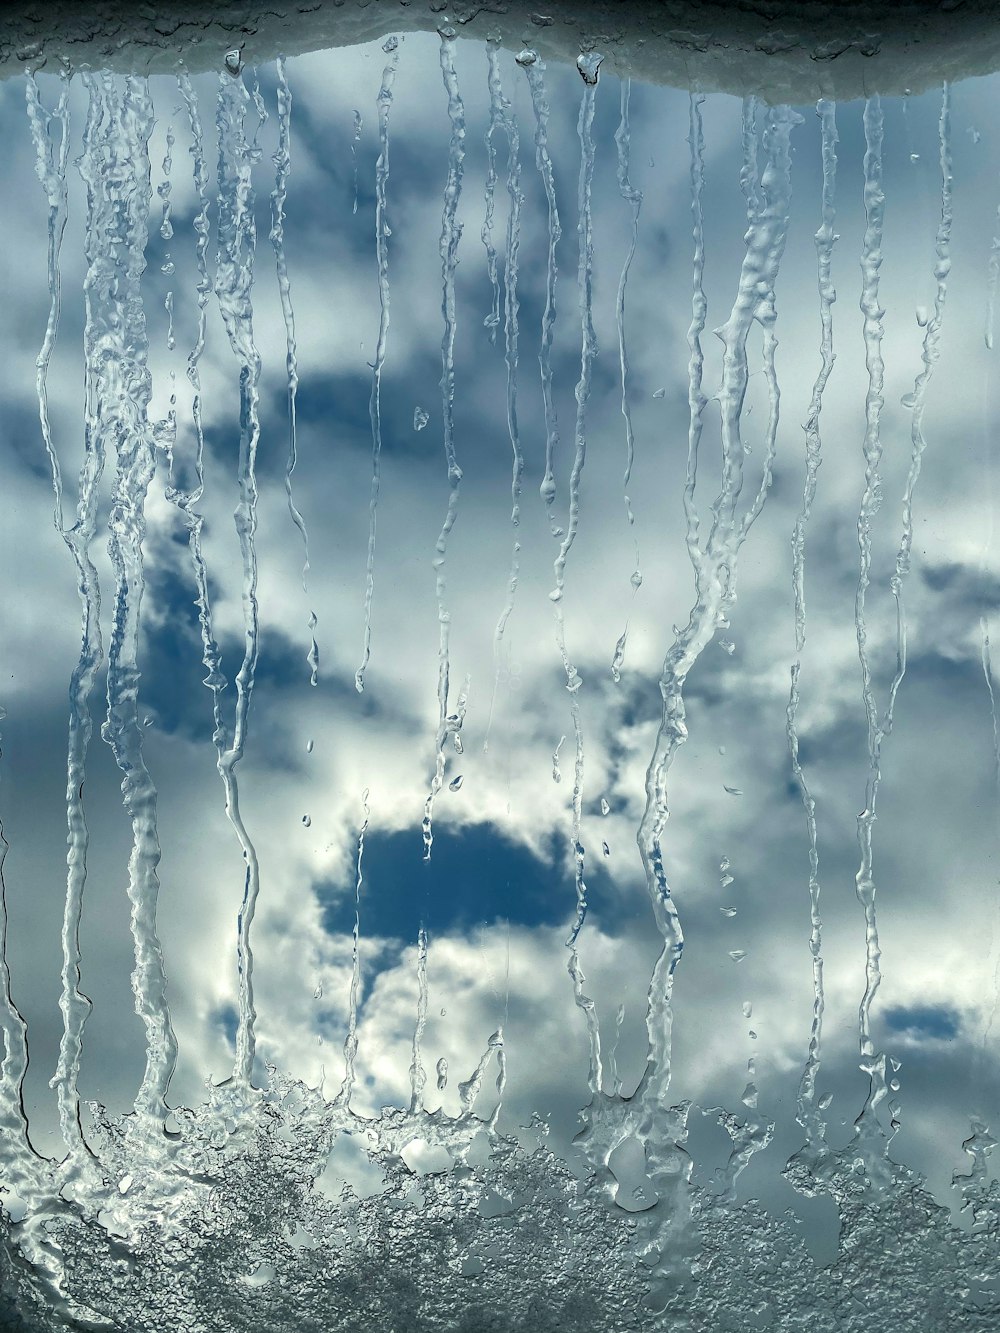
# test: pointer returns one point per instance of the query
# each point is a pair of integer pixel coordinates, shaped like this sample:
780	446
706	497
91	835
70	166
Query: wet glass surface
599	760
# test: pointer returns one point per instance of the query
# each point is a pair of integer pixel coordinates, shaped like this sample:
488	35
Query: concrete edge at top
781	50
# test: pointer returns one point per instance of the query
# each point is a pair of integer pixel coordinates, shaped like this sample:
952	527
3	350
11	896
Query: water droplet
733	791
894	1084
722	749
605	808
728	911
444	1013
526	57
455	783
737	955
309	746
167	266
908	399
974	134
589	64
747	1009
752	1035
147	721
726	880
923	315
725	863
420	418
607	849
914	157
442	1073
659	393
318	992
727	646
306	821
896	1064
390	44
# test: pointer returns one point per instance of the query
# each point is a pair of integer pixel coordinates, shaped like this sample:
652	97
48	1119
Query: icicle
633	198
282	165
588	351
501	116
418	1074
375	401
351	1041
807	1114
234	284
451	233
122	389
535	73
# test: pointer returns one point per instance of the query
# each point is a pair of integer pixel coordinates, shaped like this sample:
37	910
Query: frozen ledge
783	50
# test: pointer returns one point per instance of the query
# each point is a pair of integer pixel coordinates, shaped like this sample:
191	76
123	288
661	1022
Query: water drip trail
282	164
868	1127
234	284
535	73
502	117
451	233
122	390
418	1074
697	399
358	122
633	198
163	190
351	1041
589	67
17	1152
375	398
715	575
807	1113
492	320
186	498
74	1005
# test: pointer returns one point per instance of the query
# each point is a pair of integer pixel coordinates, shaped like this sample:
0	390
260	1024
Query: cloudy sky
497	897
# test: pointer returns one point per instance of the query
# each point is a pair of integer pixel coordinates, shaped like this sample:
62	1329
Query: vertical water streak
186	498
873	1063
123	388
588	351
375	398
13	1118
697	398
502	116
351	1040
358	122
51	168
871	261
418	1074
492	320
282	159
535	73
715	574
234	286
633	198
807	1113
451	233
